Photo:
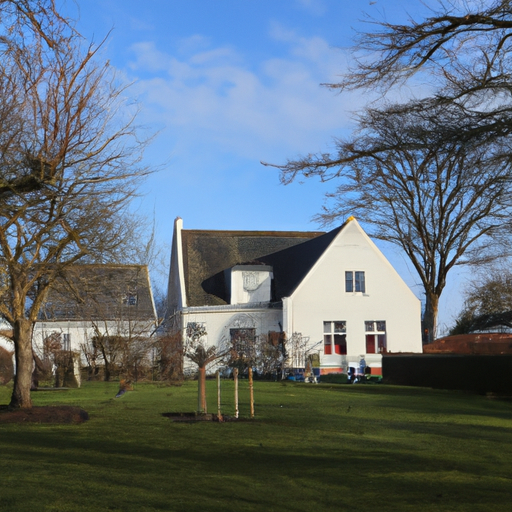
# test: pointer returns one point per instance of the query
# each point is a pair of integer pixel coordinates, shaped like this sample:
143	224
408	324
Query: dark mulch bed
192	417
49	414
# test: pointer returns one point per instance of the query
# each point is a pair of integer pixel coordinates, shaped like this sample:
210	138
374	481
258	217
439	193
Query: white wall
322	297
7	344
218	320
81	332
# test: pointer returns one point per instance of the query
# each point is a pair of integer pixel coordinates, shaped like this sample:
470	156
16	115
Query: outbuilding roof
100	292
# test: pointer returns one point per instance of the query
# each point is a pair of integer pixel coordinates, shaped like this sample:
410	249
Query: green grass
311	447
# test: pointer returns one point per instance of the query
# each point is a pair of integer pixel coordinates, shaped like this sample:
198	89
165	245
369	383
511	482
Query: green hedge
334	378
476	373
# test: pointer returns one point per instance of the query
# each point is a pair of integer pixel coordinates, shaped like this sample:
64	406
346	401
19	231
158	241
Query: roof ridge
254	233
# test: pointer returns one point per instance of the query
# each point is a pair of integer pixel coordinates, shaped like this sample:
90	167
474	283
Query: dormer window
130	299
354	281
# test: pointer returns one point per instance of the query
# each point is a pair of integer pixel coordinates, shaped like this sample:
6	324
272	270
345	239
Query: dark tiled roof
476	343
290	267
208	253
100	292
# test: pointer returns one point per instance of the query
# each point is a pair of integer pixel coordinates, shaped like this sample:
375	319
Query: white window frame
376	328
66	341
355	281
334	331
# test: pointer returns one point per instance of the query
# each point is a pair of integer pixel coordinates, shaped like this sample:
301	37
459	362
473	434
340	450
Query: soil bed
48	414
192	417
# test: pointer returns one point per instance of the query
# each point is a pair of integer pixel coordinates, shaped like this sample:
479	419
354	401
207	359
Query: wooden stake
235	376
251	392
219	414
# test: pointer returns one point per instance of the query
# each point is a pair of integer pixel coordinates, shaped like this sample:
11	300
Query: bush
334	378
6	366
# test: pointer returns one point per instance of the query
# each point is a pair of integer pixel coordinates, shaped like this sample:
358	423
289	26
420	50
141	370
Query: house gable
383	300
355	251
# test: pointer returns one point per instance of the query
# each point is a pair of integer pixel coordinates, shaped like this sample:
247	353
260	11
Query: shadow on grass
231	466
310	447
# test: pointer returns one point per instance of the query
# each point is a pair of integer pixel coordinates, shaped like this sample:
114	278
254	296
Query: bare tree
298	346
487	304
464	44
55	361
6	366
271	354
463	50
198	350
432	175
243	350
442	201
124	348
70	160
169	356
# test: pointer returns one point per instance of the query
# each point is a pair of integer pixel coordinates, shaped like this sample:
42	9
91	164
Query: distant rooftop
100	292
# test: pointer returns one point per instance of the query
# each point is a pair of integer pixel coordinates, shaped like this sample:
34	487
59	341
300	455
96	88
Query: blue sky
230	83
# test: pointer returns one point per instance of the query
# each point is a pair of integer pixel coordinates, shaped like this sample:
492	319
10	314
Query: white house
92	304
334	291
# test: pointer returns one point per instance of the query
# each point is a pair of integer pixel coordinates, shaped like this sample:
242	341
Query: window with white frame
66	341
354	281
335	337
130	299
376	342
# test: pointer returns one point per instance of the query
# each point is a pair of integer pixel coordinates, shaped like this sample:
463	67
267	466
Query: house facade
92	310
333	296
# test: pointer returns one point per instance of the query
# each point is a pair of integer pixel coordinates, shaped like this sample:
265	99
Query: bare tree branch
407	176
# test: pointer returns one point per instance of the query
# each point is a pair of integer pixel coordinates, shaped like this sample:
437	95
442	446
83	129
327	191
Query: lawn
310	447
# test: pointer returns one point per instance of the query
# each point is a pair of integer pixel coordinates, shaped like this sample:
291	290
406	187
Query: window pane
368	326
340	344
382	343
340	326
349	285
360	282
327	344
370	344
327	327
381	326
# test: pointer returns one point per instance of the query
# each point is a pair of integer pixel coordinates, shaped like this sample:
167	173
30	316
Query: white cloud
213	97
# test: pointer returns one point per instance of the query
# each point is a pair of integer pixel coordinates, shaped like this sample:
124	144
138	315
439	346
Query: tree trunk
106	365
202	389
430	319
219	413
22	335
106	375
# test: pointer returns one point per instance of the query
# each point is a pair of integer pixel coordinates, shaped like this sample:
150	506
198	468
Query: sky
227	84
